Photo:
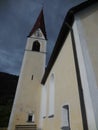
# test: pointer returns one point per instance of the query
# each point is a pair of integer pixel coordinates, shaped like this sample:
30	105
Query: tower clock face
38	33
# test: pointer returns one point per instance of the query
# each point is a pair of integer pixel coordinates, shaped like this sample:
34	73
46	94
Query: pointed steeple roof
39	24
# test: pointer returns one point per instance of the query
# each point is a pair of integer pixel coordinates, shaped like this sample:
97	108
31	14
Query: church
63	95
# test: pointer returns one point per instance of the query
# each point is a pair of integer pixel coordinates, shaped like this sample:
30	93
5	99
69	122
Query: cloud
16	21
55	13
9	62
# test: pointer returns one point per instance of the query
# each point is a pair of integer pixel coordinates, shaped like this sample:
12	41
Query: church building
63	95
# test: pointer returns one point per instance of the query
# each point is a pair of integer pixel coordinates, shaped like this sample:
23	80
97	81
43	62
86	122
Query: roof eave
66	27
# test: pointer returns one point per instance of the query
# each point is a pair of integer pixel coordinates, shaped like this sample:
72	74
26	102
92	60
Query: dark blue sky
17	18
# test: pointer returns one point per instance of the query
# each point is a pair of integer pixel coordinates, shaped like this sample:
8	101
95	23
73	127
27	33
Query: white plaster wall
66	90
87	26
28	93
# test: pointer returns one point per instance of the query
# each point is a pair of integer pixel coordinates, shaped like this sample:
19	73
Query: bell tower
26	107
36	46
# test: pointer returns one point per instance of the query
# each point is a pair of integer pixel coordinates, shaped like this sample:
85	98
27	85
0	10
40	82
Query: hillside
8	84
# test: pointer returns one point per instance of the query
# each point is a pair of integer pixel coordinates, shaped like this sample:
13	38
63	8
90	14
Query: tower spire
39	24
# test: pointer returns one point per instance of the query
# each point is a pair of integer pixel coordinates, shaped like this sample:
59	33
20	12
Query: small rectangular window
65	118
30	117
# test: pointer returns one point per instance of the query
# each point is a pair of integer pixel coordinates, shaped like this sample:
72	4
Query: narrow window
65	118
36	46
44	101
32	77
51	97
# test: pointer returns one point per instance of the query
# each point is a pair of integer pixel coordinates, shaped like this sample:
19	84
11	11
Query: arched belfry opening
36	46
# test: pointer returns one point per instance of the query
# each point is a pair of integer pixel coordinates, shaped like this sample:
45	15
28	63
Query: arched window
44	101
36	46
43	111
51	96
